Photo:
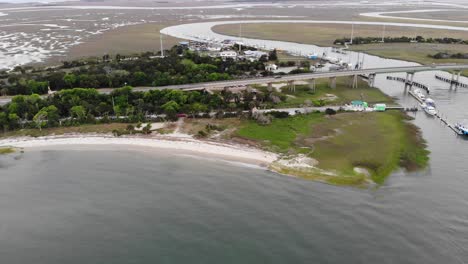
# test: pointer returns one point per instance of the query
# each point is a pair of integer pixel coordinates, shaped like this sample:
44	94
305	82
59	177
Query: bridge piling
291	86
333	82
270	87
409	79
312	85
371	80
355	81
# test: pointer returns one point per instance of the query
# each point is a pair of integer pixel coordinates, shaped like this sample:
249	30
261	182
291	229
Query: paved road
297	77
309	76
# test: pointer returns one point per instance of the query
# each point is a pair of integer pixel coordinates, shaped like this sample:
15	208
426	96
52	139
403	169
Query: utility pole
161	43
240	37
352	34
362	63
383	34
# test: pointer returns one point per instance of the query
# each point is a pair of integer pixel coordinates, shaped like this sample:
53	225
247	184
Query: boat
462	128
420	95
430	102
312	56
430	110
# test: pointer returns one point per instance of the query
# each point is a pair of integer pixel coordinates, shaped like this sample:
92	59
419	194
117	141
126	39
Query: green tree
13	121
139	78
197	108
147	129
171	108
273	55
78	112
69	79
4	121
47	116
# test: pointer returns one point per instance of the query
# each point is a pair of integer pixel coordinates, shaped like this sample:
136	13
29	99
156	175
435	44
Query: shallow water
116	205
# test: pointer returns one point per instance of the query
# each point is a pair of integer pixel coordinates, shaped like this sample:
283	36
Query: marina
428	106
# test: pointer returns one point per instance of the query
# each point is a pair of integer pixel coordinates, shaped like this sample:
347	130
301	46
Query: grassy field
326	34
441	16
377	142
417	52
100	129
343	92
125	40
280	136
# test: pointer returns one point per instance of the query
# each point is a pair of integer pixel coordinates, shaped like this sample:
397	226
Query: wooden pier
452	81
403	80
415	97
445	121
439	116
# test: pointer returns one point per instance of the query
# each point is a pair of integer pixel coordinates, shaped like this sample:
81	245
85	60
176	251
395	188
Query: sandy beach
186	145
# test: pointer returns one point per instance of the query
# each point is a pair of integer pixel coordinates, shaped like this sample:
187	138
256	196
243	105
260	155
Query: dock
452	81
445	121
439	116
416	97
403	80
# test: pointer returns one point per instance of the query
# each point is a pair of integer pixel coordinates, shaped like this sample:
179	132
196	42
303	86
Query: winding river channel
131	205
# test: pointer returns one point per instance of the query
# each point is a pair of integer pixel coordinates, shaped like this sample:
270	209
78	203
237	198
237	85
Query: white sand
219	150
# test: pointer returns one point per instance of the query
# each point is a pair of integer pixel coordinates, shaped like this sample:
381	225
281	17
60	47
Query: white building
254	54
271	67
228	54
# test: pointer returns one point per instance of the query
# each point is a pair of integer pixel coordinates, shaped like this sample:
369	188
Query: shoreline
183	145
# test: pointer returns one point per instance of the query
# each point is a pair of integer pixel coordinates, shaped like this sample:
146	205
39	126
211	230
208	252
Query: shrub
202	134
330	111
279	114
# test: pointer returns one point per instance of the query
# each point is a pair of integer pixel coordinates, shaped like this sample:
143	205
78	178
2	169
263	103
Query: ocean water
120	205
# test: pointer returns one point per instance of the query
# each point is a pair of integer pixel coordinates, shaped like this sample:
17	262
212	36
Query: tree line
403	39
178	67
445	55
80	105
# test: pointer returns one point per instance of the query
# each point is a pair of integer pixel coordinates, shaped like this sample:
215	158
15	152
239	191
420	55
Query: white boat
419	94
430	102
430	110
462	128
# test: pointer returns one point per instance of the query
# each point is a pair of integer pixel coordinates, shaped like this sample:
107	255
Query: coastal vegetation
325	34
303	95
346	148
447	55
403	39
86	106
343	145
5	151
72	107
336	147
179	66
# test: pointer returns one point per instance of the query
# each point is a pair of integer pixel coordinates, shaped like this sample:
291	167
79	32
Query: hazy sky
31	1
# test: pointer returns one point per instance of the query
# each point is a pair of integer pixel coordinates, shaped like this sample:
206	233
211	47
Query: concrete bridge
332	75
290	79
